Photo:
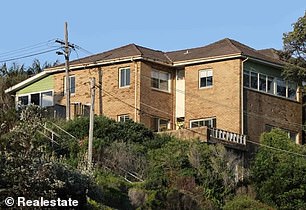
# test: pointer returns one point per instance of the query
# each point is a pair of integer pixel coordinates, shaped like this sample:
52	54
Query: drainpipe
135	95
242	103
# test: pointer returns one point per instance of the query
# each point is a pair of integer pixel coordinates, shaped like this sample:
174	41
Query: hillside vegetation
135	168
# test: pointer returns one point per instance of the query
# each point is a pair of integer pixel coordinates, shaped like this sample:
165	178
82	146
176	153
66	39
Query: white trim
124	117
25	82
168	80
37	92
120	69
202	119
70	84
199	78
209	59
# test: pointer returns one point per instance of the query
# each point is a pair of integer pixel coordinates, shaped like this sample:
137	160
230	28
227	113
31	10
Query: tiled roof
224	47
126	51
220	48
270	52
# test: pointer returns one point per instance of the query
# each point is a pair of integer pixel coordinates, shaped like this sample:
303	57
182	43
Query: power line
29	55
38	45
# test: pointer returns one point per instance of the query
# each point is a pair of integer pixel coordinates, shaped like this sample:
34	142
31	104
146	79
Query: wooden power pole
91	120
67	52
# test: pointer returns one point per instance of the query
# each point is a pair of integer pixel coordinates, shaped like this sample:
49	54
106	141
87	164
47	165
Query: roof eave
26	82
277	65
208	59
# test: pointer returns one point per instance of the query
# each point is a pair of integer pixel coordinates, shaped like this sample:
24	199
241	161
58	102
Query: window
209	122
46	99
123	118
291	90
72	84
160	80
291	134
263	82
268	84
35	99
23	100
254	80
180	75
205	78
271	85
159	125
246	79
124	77
281	87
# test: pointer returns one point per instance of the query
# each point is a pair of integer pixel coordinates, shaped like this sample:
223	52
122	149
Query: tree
294	52
279	176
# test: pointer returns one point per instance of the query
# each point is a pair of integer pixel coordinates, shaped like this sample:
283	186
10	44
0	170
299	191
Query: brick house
225	85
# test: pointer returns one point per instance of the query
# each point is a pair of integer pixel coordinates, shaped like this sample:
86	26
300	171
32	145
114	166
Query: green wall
261	68
38	86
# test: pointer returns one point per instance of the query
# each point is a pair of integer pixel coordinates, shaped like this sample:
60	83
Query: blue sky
98	26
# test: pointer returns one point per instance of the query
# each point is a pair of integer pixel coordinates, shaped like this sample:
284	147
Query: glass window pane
291	90
209	81
46	99
72	84
35	99
202	73
127	76
263	82
23	100
154	83
203	82
246	79
163	85
154	74
163	125
271	85
254	80
281	87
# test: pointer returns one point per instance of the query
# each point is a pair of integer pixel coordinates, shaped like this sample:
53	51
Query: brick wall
161	103
222	100
115	100
263	109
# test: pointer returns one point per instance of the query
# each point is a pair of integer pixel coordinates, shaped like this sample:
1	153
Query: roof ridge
137	48
232	44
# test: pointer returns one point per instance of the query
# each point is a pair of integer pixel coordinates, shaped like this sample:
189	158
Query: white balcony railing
227	136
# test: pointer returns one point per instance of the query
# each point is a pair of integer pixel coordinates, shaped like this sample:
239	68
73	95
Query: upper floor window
205	78
268	84
160	80
72	84
124	77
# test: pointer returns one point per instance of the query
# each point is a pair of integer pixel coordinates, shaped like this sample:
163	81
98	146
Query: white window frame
70	84
158	72
125	118
205	74
211	119
121	70
274	85
40	97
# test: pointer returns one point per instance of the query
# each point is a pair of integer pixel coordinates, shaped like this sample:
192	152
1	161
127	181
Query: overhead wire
29	51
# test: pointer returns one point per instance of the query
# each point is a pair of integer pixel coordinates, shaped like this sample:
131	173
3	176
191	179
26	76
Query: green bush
245	203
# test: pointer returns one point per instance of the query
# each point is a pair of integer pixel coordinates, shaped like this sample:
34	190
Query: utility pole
91	120
67	52
67	79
